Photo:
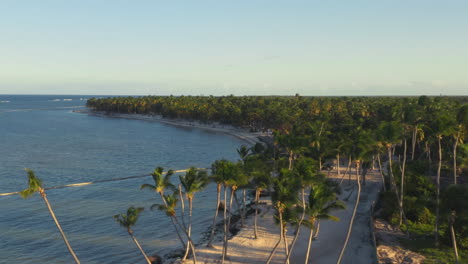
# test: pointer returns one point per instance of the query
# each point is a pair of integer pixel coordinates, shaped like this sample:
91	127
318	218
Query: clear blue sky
374	47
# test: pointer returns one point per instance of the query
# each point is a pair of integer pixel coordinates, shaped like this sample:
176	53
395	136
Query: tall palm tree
169	208
360	151
162	181
35	185
461	128
283	197
236	178
243	152
322	201
305	173
192	182
127	221
218	176
440	127
261	180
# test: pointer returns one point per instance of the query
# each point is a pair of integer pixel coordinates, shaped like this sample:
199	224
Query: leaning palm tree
127	221
192	182
322	200
162	181
170	209
35	185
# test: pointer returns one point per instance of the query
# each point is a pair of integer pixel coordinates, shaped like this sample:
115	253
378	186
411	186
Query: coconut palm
235	179
169	208
162	181
218	176
439	127
35	185
261	180
460	129
360	151
243	152
127	221
305	173
322	201
283	197
192	182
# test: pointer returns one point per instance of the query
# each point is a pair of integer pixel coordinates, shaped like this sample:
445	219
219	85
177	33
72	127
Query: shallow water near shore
62	147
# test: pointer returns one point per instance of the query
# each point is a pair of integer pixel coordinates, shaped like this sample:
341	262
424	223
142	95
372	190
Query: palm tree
218	175
35	185
322	200
170	209
305	173
283	197
192	182
460	130
235	179
360	151
260	181
162	181
243	152
440	127
127	221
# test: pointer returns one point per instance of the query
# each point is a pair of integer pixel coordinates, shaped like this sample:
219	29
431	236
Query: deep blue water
65	147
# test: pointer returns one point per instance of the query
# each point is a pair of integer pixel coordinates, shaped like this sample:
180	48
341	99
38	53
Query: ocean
41	132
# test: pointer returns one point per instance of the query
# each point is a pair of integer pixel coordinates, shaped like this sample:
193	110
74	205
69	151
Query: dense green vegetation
419	144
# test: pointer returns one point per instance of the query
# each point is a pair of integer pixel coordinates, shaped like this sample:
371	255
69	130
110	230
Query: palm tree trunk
286	245
172	220
189	242
182	206
290	159
349	172
454	241
338	165
279	241
317	230
243	207
218	201
139	247
455	158
309	244
413	142
402	182
257	197
350	227
44	196
225	223
381	172
189	230
438	192
298	228
233	192
395	189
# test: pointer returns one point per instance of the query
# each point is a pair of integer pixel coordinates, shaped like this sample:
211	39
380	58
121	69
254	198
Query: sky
252	47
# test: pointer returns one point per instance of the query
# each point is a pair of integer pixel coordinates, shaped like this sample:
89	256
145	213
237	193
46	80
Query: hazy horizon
312	48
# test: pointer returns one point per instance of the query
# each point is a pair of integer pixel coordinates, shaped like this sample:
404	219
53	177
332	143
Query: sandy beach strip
251	138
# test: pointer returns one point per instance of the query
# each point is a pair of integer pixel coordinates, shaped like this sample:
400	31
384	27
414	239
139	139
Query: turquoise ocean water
44	134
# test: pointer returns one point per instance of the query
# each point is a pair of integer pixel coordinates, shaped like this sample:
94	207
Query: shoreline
251	138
